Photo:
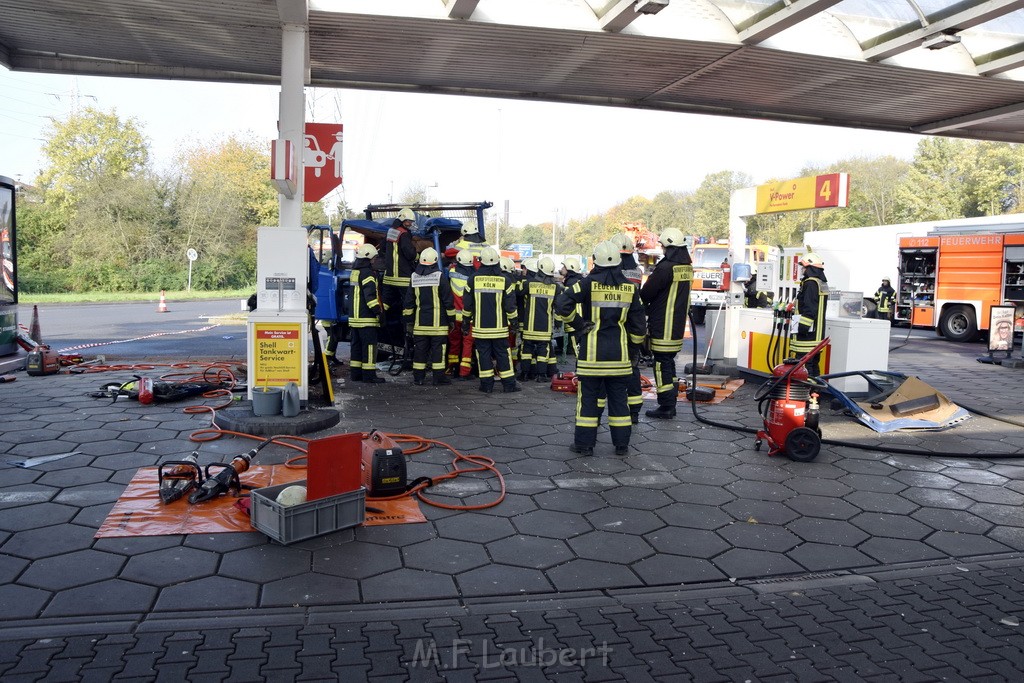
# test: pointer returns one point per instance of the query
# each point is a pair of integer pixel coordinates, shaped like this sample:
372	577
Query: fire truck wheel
958	324
802	444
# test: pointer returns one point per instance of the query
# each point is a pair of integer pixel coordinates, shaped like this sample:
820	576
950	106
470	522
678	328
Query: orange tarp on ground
139	511
720	393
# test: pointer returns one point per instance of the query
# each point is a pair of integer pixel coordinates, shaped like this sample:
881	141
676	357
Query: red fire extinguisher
145	387
726	275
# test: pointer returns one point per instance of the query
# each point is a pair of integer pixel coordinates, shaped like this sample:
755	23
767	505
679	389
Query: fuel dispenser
278	329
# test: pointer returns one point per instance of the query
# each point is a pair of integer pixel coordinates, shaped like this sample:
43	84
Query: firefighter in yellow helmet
364	316
489	306
811	300
666	297
429	315
612	320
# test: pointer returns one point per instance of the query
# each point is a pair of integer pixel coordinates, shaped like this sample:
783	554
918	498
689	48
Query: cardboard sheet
882	419
139	511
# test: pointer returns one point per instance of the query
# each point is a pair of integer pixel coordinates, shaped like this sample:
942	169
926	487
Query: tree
88	146
712	202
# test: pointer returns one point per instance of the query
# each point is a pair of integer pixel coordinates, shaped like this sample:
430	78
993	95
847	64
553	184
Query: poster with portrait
1000	329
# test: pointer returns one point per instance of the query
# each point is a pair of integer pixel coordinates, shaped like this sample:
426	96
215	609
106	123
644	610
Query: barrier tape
125	341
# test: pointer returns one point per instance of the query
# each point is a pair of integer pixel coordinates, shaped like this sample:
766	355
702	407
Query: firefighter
666	297
612	321
538	322
885	298
364	316
810	309
570	272
399	262
489	306
470	239
508	266
460	339
429	315
634	273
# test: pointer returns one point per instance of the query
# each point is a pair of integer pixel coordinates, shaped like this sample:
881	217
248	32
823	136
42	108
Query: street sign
831	190
192	254
321	160
525	250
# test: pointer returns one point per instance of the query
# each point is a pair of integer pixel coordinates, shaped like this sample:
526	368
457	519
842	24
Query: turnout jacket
810	303
399	256
489	303
612	303
538	307
364	295
885	297
429	305
458	275
666	297
631	269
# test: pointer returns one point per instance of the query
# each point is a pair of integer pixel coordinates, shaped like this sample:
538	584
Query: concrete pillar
292	108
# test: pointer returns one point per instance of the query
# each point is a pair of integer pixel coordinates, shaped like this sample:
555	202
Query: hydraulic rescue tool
227	479
175	478
384	471
789	408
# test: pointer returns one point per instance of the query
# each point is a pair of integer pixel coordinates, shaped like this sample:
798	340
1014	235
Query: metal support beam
461	9
5	56
1002	60
292	112
909	36
618	17
970	119
777	18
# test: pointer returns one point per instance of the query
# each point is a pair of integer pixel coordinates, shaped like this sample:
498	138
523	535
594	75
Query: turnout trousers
536	358
491	355
665	378
588	414
460	349
364	351
428	351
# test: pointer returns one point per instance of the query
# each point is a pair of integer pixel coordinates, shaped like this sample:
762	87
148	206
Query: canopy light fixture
937	41
650	6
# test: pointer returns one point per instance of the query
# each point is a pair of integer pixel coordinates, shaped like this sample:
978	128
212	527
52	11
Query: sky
549	161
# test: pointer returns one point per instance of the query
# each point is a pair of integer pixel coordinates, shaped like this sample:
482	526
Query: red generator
789	408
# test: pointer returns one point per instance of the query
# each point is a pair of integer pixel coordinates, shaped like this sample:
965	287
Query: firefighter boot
487	385
370	377
634	415
510	385
542	372
441	378
662	412
356	374
418	376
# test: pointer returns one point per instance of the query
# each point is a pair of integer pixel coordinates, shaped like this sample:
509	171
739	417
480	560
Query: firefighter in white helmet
364	316
811	299
537	317
612	319
429	314
460	339
399	262
489	306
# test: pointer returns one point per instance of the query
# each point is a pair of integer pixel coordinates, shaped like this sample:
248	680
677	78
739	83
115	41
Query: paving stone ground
667	555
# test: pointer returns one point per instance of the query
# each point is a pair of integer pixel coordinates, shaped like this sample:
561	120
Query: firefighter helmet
469	230
530	264
428	256
606	254
507	265
811	260
572	264
464	257
673	237
547	266
406	215
489	256
626	244
366	251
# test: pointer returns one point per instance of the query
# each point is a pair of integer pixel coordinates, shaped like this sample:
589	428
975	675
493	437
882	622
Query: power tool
42	361
790	410
175	478
384	470
227	479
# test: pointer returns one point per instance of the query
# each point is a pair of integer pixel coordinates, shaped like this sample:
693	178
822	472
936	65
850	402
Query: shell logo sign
813	192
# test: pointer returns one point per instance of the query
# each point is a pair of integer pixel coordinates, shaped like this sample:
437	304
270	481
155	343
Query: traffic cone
162	306
34	332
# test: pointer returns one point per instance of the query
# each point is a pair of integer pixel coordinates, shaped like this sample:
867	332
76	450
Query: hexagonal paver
952	520
759	537
742	563
970	475
1008	515
760	511
875	483
11	567
309	589
760	490
566	500
212	592
35	516
445	556
49	541
21	602
625	520
820	557
106	597
822	506
688	542
90	494
587	574
937	498
895	550
551	524
169	566
637	498
397	535
694	516
932	480
965	545
264	563
532	552
828	531
890	503
476	528
891	526
503	581
700	494
357	560
769	473
607	546
401	585
711	476
984	493
674	570
72	569
817	487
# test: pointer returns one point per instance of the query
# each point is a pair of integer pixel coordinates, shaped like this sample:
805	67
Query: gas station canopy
923	66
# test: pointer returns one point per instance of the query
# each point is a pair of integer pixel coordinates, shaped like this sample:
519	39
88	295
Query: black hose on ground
851	444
